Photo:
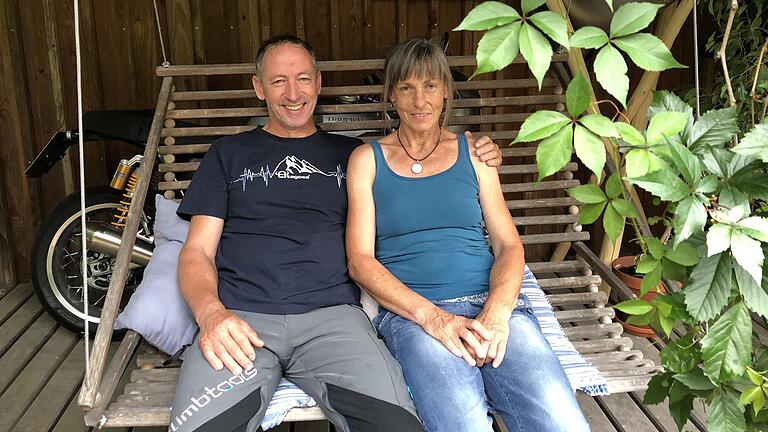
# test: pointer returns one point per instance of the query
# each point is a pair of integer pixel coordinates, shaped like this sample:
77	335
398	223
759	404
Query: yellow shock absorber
121	213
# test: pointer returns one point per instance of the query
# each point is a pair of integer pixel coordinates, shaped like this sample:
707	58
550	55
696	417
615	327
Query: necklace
416	168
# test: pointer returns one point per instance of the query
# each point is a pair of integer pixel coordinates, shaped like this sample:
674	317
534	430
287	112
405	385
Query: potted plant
710	175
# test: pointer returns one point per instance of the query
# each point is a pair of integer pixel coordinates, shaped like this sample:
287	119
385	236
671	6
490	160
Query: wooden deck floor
42	366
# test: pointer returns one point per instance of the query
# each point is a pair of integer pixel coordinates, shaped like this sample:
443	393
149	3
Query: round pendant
416	168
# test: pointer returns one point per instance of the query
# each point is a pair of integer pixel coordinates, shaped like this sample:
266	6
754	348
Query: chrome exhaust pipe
104	238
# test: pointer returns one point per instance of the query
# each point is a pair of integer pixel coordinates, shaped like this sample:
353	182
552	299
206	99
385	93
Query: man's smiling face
290	85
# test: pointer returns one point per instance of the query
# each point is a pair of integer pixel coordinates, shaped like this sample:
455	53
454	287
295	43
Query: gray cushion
156	310
168	226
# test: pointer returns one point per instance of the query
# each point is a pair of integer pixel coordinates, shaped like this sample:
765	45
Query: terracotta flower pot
620	266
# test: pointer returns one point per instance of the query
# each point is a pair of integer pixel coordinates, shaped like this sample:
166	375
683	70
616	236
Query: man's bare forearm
198	282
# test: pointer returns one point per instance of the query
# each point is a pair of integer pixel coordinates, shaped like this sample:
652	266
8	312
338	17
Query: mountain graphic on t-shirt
290	168
294	165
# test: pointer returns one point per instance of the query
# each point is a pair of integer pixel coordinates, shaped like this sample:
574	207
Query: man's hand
485	149
457	333
227	340
497	324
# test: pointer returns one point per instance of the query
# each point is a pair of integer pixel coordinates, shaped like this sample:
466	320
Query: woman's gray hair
416	57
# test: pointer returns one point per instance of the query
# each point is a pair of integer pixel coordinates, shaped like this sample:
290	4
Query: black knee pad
364	413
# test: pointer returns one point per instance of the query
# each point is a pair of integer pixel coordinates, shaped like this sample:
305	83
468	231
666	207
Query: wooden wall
121	49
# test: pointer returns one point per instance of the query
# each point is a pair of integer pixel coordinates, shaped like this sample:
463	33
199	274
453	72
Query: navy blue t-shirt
284	205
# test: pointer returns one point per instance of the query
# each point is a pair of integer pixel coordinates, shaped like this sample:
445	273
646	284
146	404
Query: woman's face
419	102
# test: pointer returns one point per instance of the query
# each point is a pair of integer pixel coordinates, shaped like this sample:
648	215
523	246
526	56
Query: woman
466	339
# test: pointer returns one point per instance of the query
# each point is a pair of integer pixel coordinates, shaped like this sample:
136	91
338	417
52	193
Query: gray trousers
332	353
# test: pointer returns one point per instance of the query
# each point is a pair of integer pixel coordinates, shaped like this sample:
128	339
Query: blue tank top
429	230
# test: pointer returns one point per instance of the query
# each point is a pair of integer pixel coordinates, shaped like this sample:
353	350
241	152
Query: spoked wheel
57	260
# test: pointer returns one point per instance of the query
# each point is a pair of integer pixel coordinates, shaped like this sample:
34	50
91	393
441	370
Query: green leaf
587	194
658	389
755	377
724	413
732	198
655	247
647	52
680	409
541	124
553	25
651	281
638	162
488	15
727	347
748	395
755	227
718	238
613	223
611	72
624	207
755	143
759	402
713	128
629	134
613	186
554	152
695	379
536	50
680	356
748	253
708	184
752	183
610	4
683	254
634	307
578	96
667	324
529	5
497	48
664	101
690	217
664	184
754	295
673	270
642	320
715	159
707	290
685	161
588	37
646	264
664	125
600	125
590	149
632	17
590	212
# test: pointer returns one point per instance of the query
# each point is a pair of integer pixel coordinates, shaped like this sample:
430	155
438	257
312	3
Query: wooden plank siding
120	49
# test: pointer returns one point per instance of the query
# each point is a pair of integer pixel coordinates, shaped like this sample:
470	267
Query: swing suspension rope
696	60
80	155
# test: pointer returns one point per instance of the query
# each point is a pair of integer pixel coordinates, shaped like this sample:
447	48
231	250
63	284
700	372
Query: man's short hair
278	41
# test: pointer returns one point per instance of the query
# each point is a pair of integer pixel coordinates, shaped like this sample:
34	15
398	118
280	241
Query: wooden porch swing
545	215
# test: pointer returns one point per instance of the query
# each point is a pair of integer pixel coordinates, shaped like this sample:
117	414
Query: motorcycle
57	252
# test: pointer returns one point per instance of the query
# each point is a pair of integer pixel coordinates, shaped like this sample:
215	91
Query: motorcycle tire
56	260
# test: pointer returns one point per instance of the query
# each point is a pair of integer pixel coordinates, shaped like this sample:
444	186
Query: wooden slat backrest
543	212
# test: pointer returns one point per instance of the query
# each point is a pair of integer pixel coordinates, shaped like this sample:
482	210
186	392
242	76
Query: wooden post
670	22
89	392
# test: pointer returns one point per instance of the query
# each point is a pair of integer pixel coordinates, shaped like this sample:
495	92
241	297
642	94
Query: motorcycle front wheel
57	260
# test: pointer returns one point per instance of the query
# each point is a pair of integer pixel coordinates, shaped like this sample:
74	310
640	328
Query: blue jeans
529	389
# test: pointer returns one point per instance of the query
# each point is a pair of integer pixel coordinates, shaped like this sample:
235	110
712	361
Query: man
264	271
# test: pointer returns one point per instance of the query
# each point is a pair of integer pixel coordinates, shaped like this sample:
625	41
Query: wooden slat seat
188	120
